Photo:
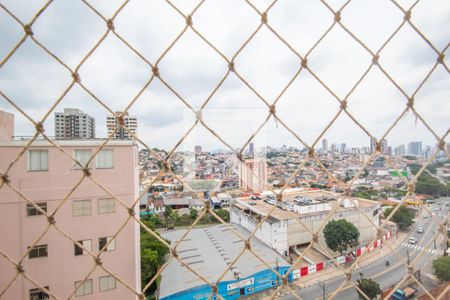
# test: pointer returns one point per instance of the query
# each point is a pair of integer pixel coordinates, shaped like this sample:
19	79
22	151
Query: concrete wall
20	231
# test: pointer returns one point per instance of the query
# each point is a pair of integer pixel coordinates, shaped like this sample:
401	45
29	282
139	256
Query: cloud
116	75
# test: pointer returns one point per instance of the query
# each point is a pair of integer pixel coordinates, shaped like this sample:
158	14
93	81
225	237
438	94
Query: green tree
167	214
403	216
341	235
223	214
193	214
370	287
441	268
152	256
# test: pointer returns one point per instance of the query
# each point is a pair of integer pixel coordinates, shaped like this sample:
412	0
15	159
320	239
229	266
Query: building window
33	211
38	251
82	156
105	159
107	283
83	288
37	294
103	241
86	244
81	208
38	160
106	206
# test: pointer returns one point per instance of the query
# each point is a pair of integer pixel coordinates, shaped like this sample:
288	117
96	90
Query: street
422	253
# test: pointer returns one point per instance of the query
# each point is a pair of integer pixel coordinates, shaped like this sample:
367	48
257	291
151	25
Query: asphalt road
387	276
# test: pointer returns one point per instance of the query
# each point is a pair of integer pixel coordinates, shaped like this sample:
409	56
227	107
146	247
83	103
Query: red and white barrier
304	271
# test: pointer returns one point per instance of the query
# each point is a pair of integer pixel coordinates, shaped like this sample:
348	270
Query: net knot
337	16
27	29
410	103
440	58
272	109
189	20
110	24
51	219
304	63
39	127
86	171
407	16
155	71
5	178
76	77
231	66
375	59
344	104
264	18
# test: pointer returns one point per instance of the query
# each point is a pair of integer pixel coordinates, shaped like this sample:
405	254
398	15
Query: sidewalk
366	259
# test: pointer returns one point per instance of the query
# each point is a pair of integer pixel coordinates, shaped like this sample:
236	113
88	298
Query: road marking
420	248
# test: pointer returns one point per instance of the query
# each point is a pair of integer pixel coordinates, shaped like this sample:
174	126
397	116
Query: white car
412	240
420	230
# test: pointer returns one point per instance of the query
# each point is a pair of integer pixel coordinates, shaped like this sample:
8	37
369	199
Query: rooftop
209	251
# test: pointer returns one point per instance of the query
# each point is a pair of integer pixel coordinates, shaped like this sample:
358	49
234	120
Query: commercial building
121	134
281	230
415	148
253	175
324	145
209	251
92	217
74	124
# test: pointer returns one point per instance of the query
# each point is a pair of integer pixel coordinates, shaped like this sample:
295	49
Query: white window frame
81	158
78	212
84	289
86	244
106	206
111	246
38	294
32	211
41	167
40	250
106	283
100	162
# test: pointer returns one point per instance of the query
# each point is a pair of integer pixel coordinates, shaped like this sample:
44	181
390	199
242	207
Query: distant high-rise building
373	145
384	146
333	148
73	124
343	147
121	134
389	150
284	148
253	175
428	152
324	145
251	149
400	150
198	149
415	148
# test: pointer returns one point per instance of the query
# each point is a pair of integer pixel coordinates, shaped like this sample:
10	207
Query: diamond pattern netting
271	104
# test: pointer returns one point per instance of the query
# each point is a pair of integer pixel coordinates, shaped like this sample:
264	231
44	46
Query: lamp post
322	285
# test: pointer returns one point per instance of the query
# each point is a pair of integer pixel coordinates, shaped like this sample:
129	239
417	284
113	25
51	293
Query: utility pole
322	284
407	255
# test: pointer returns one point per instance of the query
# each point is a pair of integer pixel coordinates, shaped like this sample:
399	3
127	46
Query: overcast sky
115	74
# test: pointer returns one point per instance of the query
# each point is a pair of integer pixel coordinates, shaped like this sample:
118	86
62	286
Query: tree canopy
403	217
441	268
341	235
370	287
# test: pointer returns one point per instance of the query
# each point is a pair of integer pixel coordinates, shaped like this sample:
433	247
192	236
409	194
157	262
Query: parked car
420	230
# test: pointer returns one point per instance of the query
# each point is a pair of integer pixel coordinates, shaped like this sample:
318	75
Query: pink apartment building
46	175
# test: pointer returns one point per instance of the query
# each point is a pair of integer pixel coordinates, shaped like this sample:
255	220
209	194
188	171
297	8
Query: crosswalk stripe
415	247
420	248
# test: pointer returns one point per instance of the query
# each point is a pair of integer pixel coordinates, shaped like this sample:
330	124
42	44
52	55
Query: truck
402	294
